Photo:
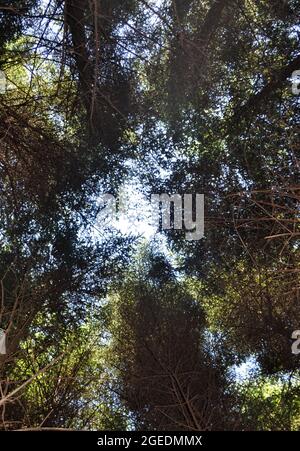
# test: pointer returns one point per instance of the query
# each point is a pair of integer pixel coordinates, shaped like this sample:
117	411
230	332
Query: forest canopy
104	326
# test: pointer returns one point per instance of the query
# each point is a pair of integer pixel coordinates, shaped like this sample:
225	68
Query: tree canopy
111	330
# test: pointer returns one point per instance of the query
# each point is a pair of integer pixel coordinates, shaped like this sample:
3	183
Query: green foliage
187	97
166	373
270	404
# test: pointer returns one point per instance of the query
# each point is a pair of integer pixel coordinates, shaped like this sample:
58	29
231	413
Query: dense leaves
109	331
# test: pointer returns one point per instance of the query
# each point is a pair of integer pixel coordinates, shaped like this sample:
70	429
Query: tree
190	97
167	374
